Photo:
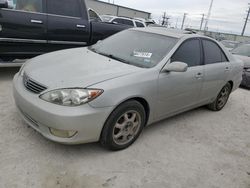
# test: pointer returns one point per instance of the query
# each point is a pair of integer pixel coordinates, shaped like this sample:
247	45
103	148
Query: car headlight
71	97
21	71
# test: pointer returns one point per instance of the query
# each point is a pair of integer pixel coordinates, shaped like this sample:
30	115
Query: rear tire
221	99
123	126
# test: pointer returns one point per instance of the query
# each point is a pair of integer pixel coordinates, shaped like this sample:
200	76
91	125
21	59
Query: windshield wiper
116	58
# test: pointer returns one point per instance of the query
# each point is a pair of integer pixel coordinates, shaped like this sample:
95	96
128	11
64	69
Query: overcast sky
227	15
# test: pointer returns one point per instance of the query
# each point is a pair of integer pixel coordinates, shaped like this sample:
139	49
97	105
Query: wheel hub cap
126	127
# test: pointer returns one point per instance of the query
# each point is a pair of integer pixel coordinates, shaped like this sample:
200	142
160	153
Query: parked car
243	53
146	21
230	45
123	21
109	92
29	28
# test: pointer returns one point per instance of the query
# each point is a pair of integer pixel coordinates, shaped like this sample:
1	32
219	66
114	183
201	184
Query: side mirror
4	4
176	67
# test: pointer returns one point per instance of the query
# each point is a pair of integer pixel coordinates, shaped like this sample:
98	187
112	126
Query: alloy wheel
223	97
126	127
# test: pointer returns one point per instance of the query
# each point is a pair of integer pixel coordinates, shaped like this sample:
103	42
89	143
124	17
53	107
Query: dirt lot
199	148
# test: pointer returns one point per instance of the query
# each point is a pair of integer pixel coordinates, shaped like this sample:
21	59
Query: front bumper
40	115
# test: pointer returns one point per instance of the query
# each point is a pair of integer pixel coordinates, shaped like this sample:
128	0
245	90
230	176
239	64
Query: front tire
221	99
123	126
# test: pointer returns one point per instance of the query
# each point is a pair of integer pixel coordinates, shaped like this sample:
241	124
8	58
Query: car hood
245	59
77	67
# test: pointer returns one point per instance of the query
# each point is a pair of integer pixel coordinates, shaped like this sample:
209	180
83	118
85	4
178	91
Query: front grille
32	85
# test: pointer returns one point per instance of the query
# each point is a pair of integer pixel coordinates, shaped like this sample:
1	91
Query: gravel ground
199	148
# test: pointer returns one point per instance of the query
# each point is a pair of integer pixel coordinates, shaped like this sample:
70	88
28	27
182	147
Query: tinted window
123	21
26	5
64	7
224	58
189	52
118	20
128	22
213	53
139	24
106	18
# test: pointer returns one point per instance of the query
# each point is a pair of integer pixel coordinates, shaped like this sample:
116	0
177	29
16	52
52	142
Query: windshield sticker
143	54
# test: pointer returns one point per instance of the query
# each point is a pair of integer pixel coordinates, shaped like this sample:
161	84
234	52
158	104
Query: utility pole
183	21
202	20
245	25
165	19
209	14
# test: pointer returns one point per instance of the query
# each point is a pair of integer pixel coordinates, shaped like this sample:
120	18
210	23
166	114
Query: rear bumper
41	115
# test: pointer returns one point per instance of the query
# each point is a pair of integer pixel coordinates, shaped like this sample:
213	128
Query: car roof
175	33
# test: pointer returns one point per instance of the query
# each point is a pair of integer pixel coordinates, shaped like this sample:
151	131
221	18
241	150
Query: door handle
36	21
199	75
80	26
227	69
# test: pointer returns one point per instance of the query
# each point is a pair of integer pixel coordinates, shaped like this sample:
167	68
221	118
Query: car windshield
242	50
137	48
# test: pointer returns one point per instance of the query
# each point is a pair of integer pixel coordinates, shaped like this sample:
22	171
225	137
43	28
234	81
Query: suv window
118	20
139	24
70	8
128	22
123	21
26	5
189	52
213	53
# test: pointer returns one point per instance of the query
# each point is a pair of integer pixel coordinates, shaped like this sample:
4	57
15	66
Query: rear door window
212	52
139	24
70	8
123	21
26	5
118	20
189	52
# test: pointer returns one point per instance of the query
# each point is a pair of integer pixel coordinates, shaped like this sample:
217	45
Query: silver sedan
110	91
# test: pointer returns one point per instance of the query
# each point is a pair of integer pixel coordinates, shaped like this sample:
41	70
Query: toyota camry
110	91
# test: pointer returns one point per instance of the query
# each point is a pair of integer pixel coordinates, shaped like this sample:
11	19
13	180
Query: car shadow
245	88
